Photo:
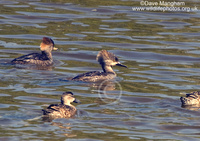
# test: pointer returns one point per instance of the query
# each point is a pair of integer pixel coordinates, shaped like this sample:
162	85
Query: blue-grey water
160	49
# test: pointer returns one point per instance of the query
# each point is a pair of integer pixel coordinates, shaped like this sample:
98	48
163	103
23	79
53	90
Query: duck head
47	44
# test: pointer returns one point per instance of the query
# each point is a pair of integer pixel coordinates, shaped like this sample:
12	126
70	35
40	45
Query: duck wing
51	109
91	76
59	111
26	58
194	95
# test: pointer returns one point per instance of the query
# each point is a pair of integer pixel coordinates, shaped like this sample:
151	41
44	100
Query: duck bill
119	64
75	101
54	48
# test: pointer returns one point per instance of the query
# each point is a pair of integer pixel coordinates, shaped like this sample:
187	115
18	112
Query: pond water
160	49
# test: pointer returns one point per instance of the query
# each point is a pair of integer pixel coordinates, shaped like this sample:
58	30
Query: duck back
94	76
59	111
33	58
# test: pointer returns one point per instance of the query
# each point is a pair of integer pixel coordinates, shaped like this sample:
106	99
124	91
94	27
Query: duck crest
103	56
47	41
46	44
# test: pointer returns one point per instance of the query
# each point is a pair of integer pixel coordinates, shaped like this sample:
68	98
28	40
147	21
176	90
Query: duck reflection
194	107
34	67
65	126
107	85
109	91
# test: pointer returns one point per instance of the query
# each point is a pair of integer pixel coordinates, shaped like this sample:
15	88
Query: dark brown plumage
191	99
43	59
62	110
107	60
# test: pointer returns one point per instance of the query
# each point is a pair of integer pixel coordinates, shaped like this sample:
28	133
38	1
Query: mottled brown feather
104	55
43	59
192	98
62	110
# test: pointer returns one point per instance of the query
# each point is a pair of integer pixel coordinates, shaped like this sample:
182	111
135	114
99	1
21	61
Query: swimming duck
62	110
107	60
43	59
191	99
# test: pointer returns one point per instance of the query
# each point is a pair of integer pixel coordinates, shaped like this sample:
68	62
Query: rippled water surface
160	49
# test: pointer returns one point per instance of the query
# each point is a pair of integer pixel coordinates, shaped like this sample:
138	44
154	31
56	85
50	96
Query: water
161	50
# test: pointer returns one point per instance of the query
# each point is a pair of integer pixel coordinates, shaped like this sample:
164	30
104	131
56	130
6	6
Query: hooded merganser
191	99
63	110
43	59
107	60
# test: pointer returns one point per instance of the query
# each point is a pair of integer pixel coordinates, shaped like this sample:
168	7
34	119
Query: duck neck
65	102
69	104
107	69
47	55
72	106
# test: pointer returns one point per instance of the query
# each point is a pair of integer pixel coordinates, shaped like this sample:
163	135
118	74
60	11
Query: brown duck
192	98
62	110
107	60
42	59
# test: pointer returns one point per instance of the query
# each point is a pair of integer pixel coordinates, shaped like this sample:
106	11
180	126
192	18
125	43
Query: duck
41	59
63	110
107	60
192	98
